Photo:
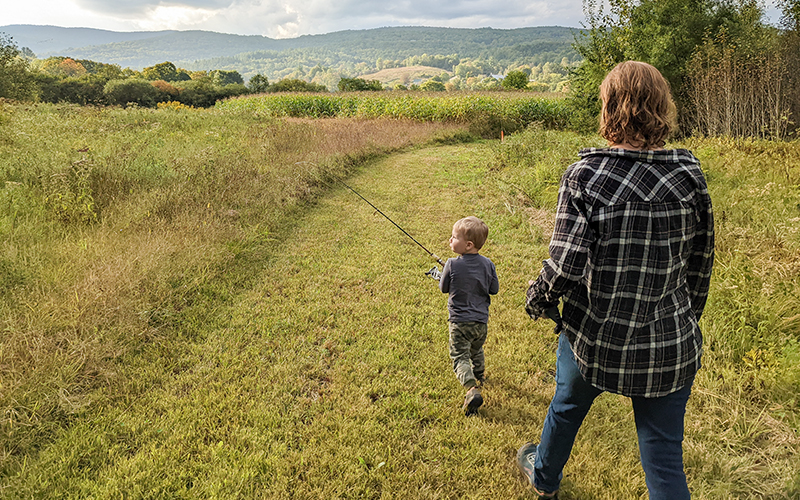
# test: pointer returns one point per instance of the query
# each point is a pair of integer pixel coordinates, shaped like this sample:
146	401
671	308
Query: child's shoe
526	458
472	401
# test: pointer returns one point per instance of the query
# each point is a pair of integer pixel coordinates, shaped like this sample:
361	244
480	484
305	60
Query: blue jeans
659	425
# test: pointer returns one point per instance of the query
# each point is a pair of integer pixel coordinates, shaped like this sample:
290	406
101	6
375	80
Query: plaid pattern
631	257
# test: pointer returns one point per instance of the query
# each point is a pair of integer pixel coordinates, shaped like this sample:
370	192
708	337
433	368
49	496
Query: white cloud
288	18
173	18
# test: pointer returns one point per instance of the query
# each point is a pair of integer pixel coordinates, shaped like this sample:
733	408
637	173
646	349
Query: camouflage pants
466	351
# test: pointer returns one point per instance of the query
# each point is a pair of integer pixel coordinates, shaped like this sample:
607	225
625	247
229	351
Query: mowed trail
330	377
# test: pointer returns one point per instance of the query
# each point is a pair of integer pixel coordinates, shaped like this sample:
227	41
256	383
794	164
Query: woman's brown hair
637	106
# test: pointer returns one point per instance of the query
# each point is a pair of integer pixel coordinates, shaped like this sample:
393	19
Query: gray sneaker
472	401
526	460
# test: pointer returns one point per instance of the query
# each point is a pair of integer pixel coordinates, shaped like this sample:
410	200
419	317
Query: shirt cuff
538	299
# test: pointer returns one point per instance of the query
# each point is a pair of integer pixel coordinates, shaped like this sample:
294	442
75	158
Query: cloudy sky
289	18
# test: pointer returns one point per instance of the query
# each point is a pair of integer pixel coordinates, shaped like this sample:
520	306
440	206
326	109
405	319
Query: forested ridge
343	51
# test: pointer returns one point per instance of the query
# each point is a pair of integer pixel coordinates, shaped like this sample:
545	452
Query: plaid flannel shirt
631	257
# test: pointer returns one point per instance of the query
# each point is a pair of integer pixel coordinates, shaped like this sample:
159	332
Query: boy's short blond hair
637	106
472	229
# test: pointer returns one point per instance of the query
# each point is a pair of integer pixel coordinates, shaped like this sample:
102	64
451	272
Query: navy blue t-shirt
469	279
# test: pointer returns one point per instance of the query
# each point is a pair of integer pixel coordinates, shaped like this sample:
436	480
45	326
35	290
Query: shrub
294	85
258	84
132	90
516	80
166	92
222	77
358	84
83	90
432	86
166	71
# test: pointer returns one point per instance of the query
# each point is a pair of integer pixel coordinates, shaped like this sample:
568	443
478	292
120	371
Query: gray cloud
286	18
138	7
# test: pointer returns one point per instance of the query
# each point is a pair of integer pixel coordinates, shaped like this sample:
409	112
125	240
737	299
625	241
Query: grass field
194	308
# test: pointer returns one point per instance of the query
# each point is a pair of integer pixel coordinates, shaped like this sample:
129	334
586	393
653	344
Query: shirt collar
657	156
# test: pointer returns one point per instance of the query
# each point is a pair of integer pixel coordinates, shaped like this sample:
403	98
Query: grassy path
330	378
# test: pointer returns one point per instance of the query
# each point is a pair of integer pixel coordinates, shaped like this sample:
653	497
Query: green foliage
16	81
131	91
222	78
68	194
515	80
358	84
204	93
470	53
295	85
432	86
85	90
665	34
258	84
168	72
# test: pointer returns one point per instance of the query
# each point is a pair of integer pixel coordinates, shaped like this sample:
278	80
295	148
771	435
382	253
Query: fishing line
436	257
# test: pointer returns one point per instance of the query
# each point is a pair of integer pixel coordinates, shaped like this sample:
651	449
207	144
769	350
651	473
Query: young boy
469	279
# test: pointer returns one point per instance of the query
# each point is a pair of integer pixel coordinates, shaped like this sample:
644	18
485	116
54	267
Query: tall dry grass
114	222
739	96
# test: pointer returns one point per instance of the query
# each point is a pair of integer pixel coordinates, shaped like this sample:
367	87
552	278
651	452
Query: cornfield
522	109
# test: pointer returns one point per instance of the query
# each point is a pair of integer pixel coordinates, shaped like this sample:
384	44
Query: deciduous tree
358	84
515	80
258	84
16	81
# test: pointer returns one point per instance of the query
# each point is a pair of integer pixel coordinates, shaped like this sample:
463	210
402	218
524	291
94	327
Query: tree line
87	82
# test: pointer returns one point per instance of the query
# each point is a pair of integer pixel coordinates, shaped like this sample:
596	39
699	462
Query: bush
166	92
222	77
132	90
358	84
258	84
515	80
166	71
432	86
294	85
204	94
83	90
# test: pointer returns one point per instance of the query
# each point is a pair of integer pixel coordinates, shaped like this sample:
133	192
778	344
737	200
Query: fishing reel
434	273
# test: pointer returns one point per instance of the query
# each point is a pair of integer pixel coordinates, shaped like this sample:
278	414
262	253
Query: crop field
518	109
194	307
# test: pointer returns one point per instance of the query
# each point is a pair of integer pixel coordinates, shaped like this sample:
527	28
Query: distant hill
55	40
360	52
351	52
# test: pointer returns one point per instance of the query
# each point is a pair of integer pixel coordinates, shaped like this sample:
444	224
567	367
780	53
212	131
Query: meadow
194	307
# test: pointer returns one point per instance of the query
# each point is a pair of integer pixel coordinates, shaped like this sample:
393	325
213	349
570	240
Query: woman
631	258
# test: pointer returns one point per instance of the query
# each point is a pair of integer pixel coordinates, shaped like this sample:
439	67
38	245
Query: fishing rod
432	273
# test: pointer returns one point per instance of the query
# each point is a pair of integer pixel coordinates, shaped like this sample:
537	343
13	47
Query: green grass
296	349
